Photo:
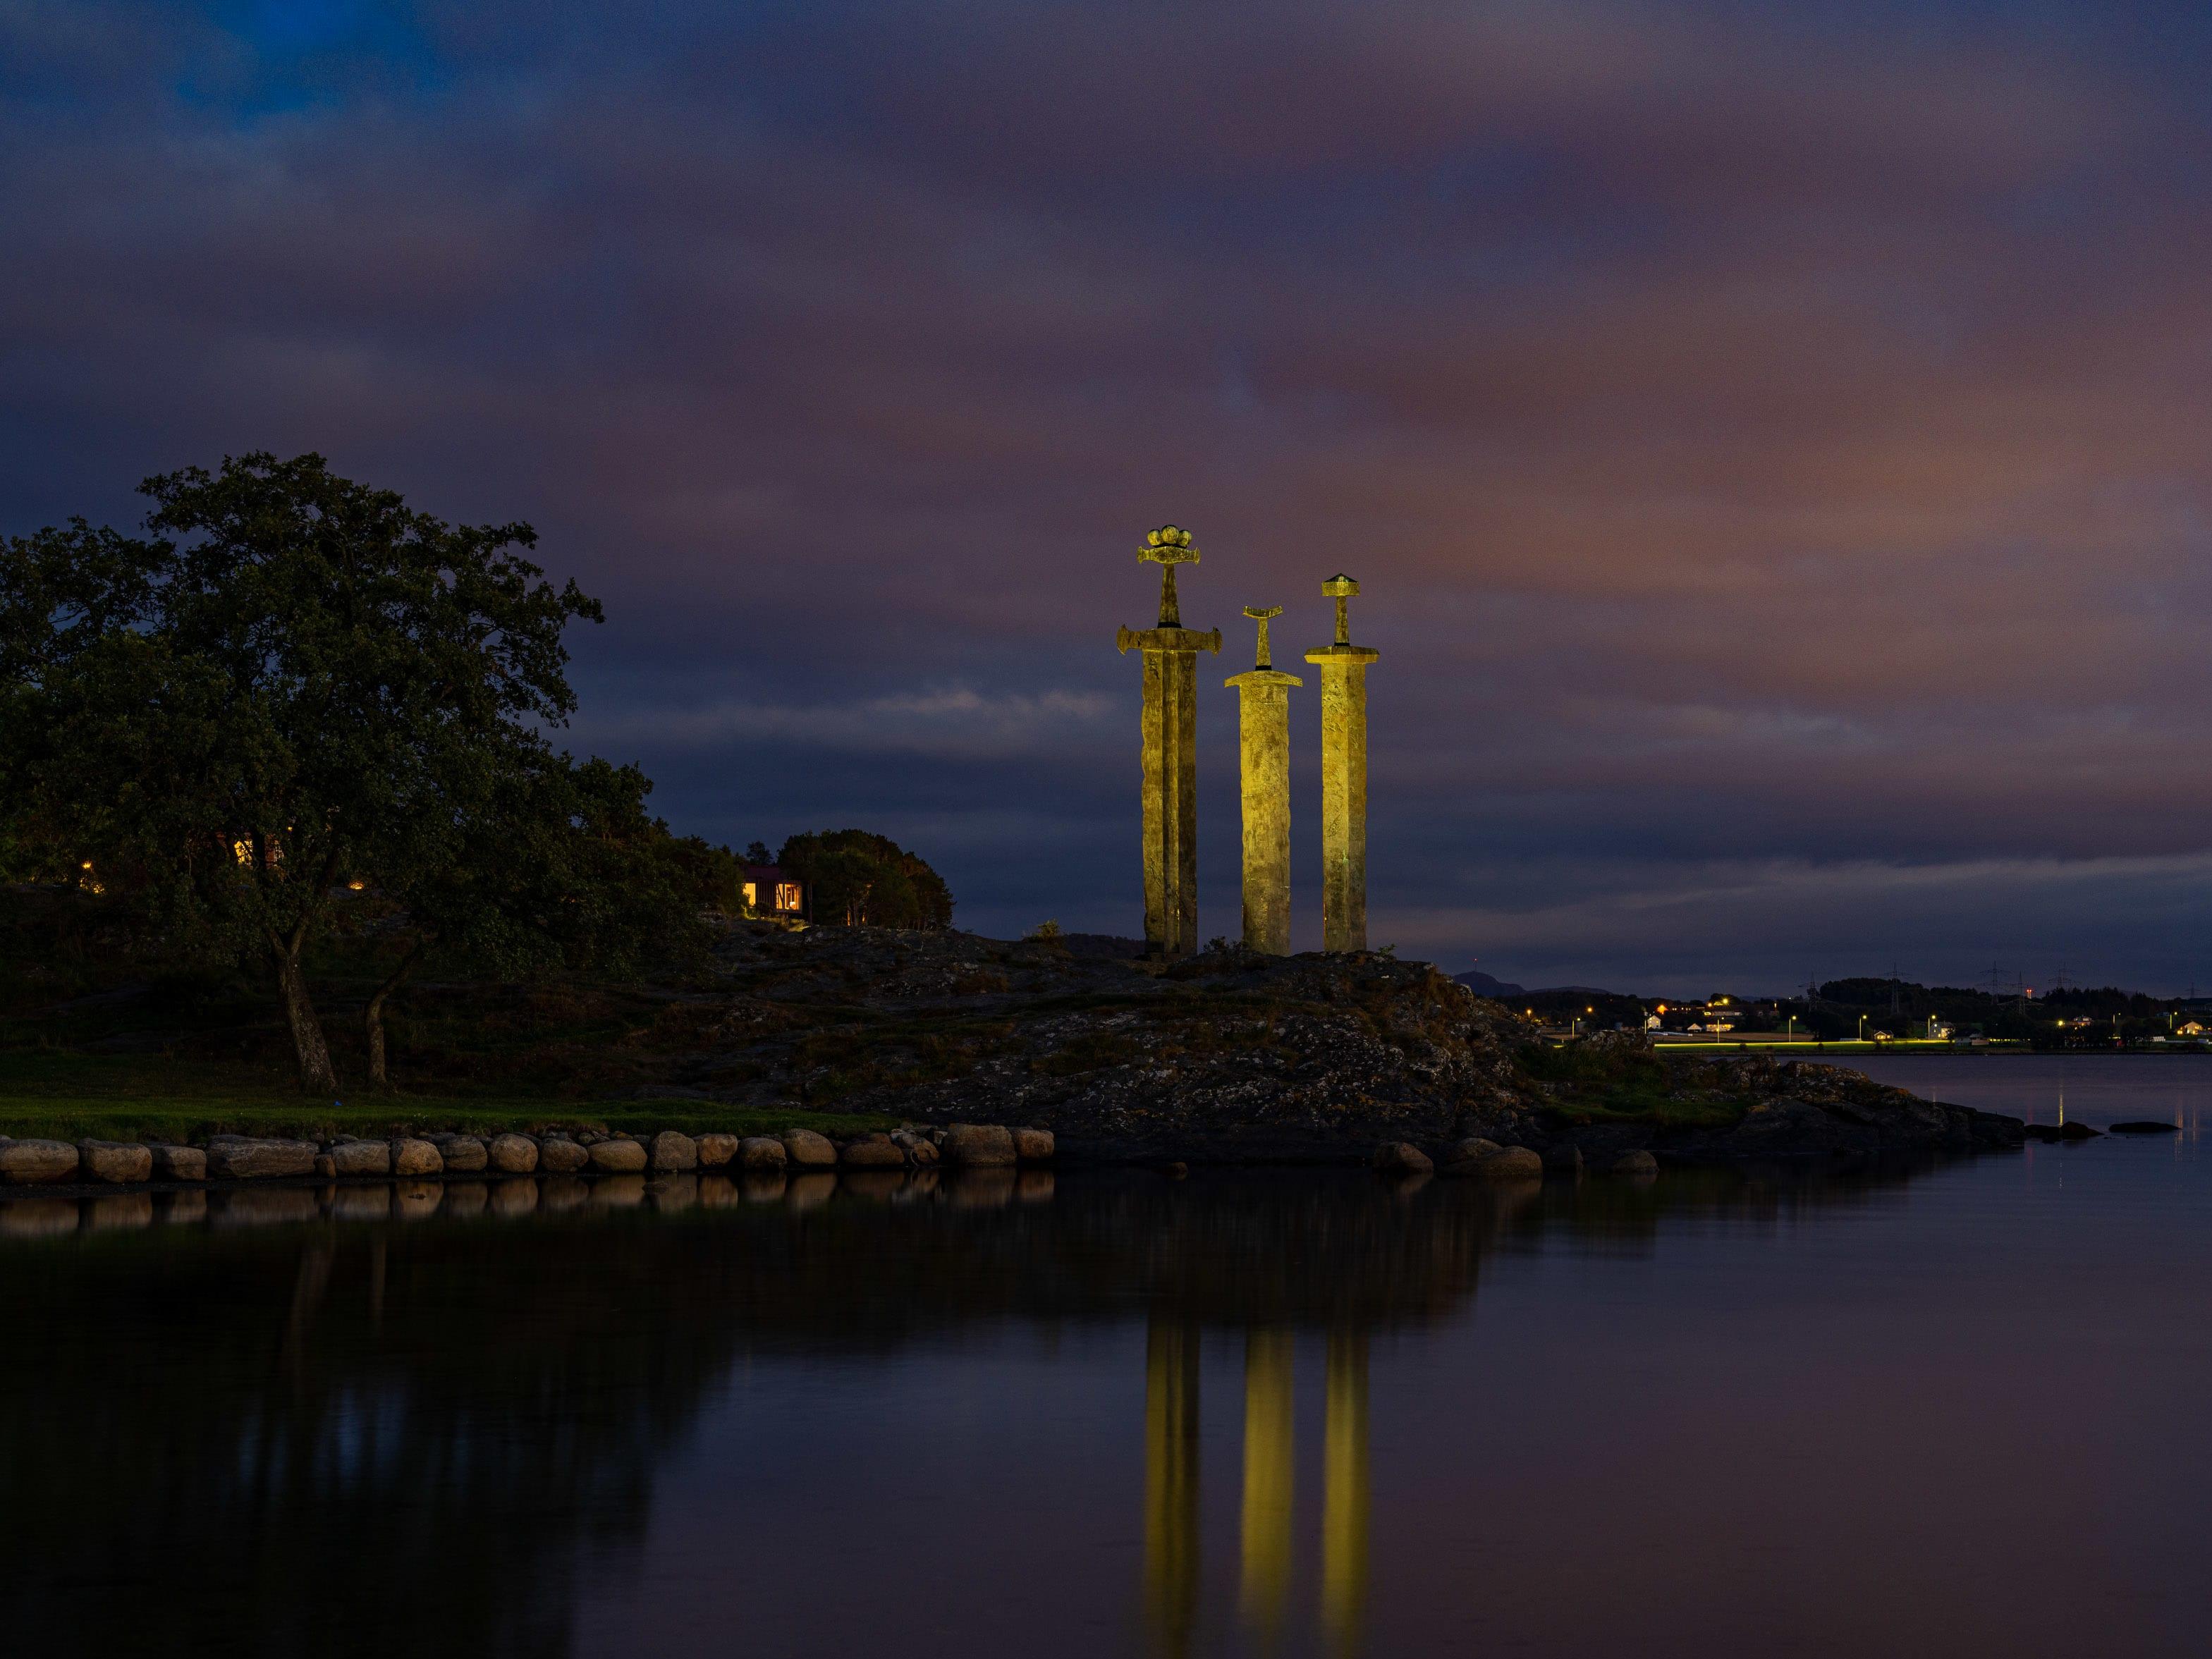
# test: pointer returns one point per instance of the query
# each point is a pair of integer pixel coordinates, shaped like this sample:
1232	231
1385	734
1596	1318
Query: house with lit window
773	892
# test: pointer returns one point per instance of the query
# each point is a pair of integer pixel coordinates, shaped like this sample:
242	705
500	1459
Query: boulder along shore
223	1160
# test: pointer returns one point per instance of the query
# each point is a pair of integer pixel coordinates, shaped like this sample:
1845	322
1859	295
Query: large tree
860	879
552	866
290	681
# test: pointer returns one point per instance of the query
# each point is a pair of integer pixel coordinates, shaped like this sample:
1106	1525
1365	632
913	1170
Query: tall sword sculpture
1343	777
1171	752
1264	722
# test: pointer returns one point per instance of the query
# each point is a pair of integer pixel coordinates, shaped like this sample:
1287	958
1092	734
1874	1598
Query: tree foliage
862	879
290	681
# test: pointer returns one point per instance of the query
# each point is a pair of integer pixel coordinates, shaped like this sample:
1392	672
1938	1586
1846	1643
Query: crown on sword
1168	545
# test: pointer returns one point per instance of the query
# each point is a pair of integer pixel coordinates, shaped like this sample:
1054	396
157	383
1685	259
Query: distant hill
1483	986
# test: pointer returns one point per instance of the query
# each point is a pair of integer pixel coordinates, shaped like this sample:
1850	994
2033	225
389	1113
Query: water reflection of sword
1170	1485
1270	1448
1345	1493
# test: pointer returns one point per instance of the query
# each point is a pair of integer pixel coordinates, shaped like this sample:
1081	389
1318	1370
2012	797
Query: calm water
1951	1410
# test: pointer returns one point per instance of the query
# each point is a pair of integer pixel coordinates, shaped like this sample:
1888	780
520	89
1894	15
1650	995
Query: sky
1774	442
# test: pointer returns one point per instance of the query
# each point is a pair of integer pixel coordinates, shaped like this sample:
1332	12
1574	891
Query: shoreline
65	1209
2007	1049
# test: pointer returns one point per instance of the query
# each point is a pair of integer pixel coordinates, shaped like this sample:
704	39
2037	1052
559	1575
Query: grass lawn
73	1097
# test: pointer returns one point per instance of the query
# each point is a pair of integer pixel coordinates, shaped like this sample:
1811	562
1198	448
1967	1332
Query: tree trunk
317	1074
373	1017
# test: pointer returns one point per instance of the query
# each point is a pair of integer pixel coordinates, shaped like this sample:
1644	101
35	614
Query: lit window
752	897
786	895
244	849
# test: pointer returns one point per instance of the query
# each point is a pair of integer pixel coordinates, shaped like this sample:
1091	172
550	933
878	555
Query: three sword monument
1171	771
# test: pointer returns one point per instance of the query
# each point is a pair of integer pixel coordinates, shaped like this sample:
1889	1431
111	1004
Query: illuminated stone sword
1171	752
1343	777
1264	725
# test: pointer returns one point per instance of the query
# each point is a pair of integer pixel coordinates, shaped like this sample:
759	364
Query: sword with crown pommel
1168	547
1170	752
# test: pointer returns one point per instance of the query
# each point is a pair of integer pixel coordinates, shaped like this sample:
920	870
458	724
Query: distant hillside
1483	986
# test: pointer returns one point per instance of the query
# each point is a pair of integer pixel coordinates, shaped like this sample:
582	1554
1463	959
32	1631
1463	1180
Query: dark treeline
295	720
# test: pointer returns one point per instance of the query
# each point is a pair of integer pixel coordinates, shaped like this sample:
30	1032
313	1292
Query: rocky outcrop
559	1155
512	1155
1233	1057
1033	1146
716	1150
764	1153
1757	1110
2051	1133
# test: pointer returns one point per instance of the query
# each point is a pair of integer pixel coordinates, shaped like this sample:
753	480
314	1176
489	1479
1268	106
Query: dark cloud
1771	438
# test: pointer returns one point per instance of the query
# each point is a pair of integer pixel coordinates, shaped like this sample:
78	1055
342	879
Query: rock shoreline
1234	1058
235	1160
50	1212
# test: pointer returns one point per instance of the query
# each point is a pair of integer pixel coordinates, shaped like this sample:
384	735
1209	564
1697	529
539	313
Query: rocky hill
1234	1057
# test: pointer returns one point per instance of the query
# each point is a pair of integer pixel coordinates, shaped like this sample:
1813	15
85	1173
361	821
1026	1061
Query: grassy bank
1618	1085
71	1096
1842	1048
